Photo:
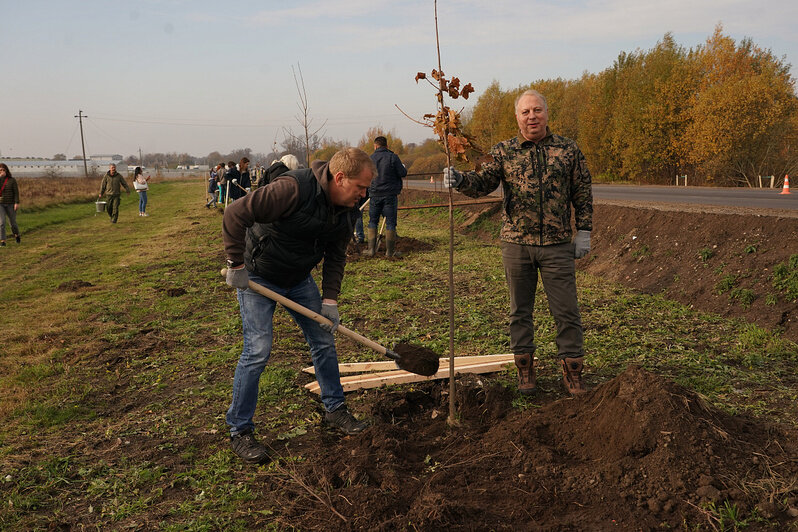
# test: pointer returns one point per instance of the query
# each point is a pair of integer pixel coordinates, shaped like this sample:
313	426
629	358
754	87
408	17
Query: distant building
96	164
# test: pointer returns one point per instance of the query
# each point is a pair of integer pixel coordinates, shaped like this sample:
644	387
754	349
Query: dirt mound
717	262
637	453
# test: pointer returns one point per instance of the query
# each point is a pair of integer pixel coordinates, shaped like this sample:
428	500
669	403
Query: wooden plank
362	367
375	380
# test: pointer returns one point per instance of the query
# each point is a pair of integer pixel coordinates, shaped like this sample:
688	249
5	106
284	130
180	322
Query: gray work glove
451	177
238	277
330	311
581	244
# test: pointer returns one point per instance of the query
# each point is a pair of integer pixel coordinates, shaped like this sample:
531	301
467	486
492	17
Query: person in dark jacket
274	237
383	194
9	203
543	176
241	183
113	182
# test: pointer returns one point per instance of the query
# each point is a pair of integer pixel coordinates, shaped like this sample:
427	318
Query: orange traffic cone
786	189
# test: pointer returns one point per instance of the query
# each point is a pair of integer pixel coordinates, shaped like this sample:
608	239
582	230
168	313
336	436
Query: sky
198	76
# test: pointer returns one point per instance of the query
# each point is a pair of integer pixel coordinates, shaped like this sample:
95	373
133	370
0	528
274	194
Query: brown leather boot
572	375
526	373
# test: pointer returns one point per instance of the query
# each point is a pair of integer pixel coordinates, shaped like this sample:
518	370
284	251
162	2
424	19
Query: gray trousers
7	211
557	270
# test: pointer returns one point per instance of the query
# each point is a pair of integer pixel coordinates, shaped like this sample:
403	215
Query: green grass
785	277
113	396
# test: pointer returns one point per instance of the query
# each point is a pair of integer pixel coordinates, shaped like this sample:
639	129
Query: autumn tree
742	112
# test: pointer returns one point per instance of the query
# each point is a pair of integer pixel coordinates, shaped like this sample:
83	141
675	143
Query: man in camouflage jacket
113	182
542	176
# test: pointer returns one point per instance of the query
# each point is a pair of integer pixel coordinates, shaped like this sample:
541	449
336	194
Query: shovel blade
415	359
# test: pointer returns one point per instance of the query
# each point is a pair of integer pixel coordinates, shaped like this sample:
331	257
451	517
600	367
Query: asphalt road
755	198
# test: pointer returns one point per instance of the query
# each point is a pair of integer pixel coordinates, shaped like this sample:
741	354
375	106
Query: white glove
330	311
581	244
451	177
235	181
238	277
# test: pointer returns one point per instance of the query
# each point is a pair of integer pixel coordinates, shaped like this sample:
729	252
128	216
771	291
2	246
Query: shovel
415	359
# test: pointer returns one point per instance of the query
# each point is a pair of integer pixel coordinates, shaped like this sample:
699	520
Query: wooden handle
293	305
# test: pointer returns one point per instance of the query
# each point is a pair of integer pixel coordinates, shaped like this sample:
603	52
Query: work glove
238	277
451	177
581	244
235	181
330	311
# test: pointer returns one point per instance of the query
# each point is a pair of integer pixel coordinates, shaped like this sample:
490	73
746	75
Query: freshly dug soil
637	453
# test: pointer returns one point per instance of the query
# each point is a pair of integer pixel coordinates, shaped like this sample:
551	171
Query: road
754	198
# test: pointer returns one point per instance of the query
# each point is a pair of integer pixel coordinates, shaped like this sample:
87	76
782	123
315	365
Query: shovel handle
293	305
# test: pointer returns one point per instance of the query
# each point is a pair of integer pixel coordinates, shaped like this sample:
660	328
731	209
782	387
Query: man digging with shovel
274	237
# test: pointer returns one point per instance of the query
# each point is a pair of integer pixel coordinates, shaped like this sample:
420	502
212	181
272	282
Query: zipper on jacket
539	165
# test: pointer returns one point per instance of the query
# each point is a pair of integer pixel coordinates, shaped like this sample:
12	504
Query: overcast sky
198	76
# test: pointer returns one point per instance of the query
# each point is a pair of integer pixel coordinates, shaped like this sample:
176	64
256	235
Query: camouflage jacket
540	181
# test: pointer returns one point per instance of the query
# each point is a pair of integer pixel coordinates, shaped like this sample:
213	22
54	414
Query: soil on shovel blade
637	453
417	359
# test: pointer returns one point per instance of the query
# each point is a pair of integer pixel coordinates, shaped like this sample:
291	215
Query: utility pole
80	116
141	160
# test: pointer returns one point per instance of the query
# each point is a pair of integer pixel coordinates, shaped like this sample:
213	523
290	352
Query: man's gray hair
532	92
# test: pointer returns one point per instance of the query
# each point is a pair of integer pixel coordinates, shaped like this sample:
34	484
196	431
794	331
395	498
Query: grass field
118	345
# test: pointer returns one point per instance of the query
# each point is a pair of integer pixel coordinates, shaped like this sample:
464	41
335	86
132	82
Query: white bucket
100	206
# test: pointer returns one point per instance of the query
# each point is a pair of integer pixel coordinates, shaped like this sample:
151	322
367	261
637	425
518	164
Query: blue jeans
359	227
385	205
142	200
256	318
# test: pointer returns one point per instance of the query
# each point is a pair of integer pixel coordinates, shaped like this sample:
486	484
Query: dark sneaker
249	449
17	237
2	243
572	375
526	373
342	420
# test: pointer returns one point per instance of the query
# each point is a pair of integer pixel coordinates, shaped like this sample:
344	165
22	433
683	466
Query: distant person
543	177
257	173
242	183
9	203
140	185
275	237
213	186
113	182
278	167
383	194
230	174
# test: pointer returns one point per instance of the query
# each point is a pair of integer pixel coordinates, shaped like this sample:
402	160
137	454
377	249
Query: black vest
285	251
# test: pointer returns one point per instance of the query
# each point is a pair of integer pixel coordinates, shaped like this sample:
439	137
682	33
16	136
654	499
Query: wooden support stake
375	380
385	365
